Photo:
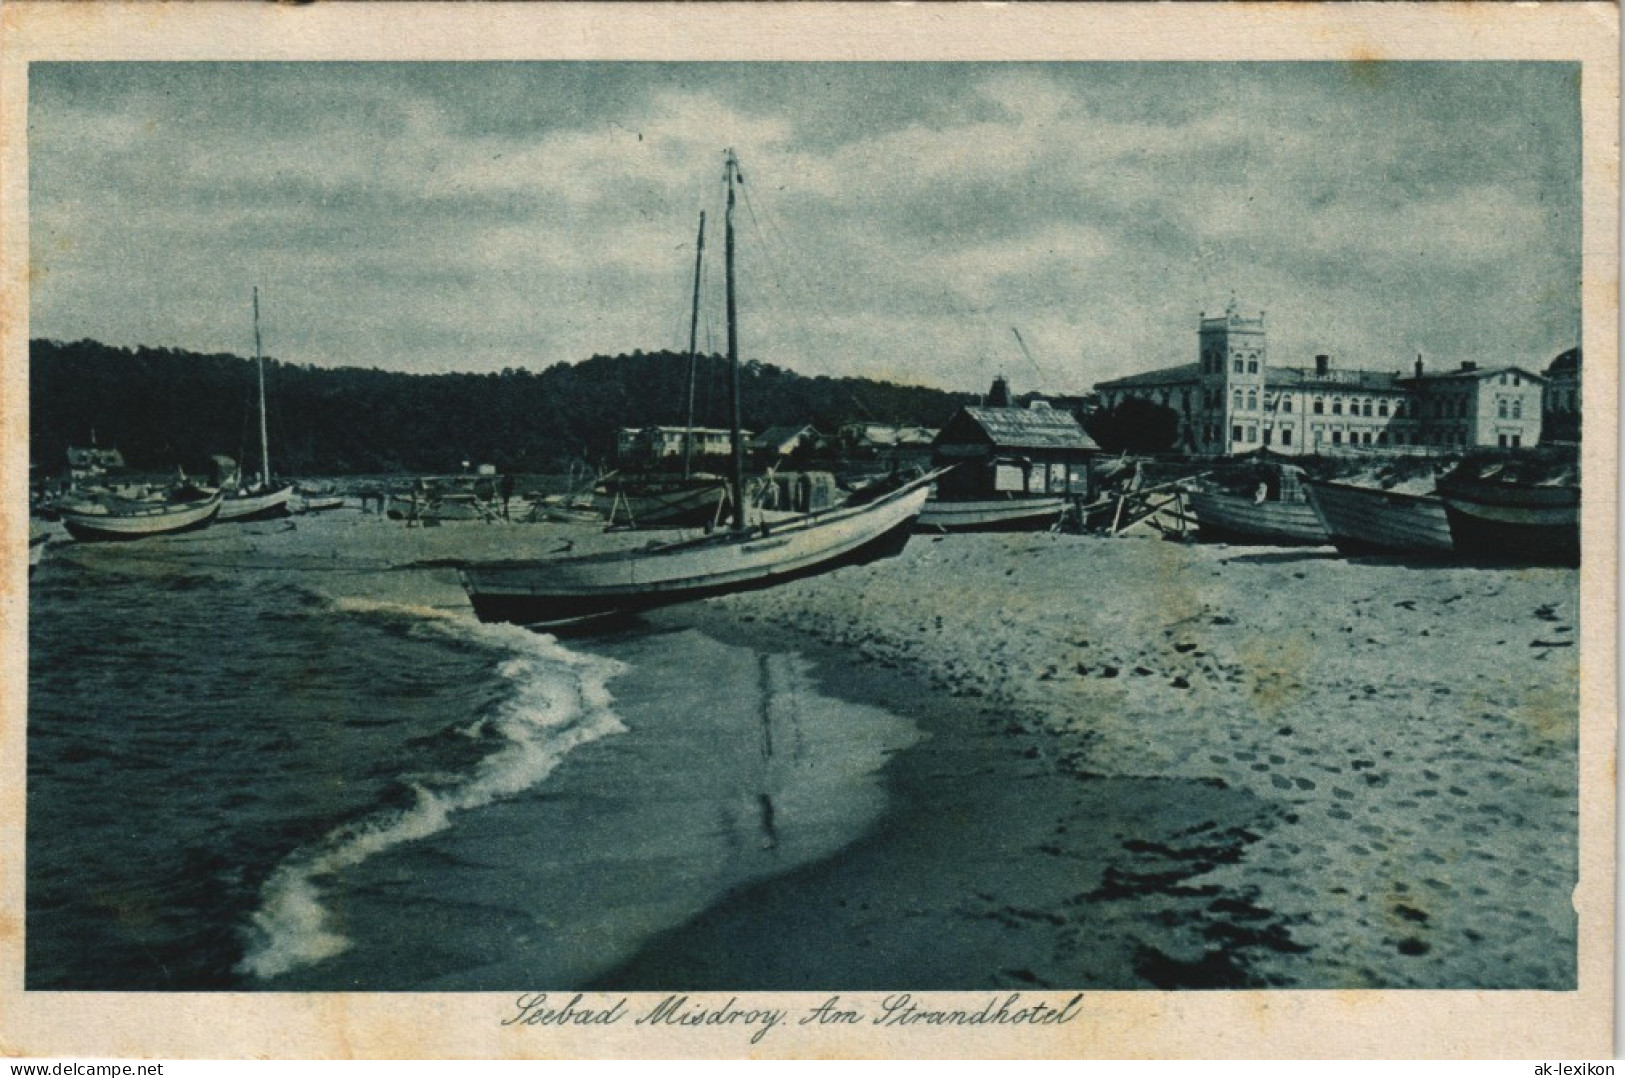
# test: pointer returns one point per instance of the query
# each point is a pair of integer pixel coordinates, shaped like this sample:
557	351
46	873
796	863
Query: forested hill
163	407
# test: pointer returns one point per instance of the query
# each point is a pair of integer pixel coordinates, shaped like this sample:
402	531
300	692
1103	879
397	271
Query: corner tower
1232	359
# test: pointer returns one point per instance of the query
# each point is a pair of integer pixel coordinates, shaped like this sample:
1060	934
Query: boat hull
1228	517
562	592
140	521
319	503
1365	520
1008	514
681	507
251	507
1519	524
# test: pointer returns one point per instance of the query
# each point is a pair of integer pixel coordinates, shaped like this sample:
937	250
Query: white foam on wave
560	701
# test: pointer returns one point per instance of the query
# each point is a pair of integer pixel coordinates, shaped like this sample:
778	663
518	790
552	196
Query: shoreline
964	881
1203	787
1146	764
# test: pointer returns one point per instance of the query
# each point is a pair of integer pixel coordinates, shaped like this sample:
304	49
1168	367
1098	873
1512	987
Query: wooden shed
1014	452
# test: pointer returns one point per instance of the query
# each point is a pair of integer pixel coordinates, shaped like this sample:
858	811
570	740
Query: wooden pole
731	174
693	354
259	362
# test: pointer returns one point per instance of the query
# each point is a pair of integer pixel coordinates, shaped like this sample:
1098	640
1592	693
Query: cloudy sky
901	217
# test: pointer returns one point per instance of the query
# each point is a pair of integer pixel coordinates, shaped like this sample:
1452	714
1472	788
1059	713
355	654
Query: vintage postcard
564	531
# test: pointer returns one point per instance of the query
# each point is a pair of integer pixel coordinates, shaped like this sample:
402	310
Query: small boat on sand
1371	520
1230	517
694	501
1500	513
109	517
559	593
316	503
1277	512
992	514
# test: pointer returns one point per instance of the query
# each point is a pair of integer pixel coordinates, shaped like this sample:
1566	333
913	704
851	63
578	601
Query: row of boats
110	514
1501	510
1498	513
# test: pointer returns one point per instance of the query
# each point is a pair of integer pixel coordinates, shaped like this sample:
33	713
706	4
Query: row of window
1246	433
1213	363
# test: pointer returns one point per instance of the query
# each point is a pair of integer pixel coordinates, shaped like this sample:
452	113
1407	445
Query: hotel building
1233	400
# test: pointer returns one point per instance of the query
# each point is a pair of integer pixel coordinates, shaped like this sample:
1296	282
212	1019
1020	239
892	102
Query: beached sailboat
108	517
262	500
561	592
1371	520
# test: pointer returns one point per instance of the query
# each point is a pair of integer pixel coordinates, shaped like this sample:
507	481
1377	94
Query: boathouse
1013	451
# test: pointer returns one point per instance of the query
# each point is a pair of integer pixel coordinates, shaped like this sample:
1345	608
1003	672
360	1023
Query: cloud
898	218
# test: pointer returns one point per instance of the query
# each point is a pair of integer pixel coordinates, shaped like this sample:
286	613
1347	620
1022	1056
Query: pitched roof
1338	378
775	437
1476	372
1030	428
1189	372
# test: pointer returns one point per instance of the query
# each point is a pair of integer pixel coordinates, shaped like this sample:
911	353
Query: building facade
1233	400
650	445
1561	408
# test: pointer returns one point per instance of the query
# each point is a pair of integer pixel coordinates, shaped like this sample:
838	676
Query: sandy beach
1169	765
1142	764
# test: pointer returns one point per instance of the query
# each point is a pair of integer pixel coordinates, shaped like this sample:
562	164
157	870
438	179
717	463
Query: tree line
165	407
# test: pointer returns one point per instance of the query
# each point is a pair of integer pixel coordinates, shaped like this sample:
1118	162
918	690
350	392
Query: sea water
241	781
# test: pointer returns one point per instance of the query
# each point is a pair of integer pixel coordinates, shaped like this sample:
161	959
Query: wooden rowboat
112	518
1524	524
991	514
1369	520
1233	518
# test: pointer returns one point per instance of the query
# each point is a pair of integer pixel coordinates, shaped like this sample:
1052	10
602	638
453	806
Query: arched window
1252	366
1501	408
1320	406
1252	401
1382	409
1517	409
1238	400
1337	406
1365	409
1286	403
1238	366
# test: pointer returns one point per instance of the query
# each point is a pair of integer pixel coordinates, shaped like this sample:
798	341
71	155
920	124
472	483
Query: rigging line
750	208
769	297
803	282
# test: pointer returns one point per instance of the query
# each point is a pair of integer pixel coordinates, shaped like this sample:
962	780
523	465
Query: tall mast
259	362
693	355
731	174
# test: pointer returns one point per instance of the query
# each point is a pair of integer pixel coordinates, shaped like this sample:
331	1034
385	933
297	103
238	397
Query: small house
1009	451
893	443
784	441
